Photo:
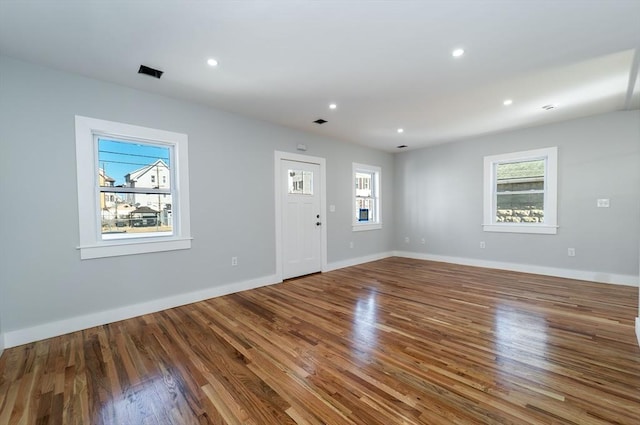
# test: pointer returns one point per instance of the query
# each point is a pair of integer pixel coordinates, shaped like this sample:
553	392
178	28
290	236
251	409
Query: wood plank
395	341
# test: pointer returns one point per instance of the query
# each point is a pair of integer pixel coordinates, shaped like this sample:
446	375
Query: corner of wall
615	279
356	261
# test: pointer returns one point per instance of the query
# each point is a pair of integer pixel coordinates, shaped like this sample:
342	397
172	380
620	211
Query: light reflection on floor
520	346
364	325
152	401
514	327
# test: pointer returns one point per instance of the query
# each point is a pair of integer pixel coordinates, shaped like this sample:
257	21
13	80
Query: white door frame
279	156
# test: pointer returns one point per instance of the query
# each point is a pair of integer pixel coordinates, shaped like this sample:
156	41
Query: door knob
318	223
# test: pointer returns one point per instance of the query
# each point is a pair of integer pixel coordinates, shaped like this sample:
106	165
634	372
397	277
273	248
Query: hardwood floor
396	341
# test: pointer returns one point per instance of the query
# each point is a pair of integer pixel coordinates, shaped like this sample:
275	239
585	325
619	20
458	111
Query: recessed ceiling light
212	62
507	102
401	146
333	106
457	53
401	130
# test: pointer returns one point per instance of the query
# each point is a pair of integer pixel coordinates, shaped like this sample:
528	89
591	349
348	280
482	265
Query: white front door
301	219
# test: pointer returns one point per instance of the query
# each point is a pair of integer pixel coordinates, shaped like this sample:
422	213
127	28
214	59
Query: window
300	182
366	194
134	166
520	192
122	209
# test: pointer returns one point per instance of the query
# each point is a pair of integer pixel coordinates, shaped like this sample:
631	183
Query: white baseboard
618	279
355	261
61	327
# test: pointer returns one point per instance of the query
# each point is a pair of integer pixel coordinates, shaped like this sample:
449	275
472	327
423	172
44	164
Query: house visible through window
520	188
520	192
366	194
300	182
137	207
123	210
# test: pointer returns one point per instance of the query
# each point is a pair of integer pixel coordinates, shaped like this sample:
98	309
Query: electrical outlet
482	245
571	252
406	239
234	261
351	244
603	203
423	241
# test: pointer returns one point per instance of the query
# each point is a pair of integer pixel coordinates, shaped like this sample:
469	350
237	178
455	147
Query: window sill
518	228
119	248
365	227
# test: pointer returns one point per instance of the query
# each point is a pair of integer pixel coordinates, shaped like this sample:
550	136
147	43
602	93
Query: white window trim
356	225
550	225
91	243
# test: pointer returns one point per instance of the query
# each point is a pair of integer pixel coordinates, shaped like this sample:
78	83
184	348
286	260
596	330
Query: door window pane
300	182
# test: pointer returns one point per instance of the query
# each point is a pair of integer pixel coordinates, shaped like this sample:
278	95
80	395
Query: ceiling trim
633	77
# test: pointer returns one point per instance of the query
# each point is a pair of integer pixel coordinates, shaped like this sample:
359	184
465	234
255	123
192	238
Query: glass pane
520	176
125	213
300	182
520	208
363	183
365	209
130	164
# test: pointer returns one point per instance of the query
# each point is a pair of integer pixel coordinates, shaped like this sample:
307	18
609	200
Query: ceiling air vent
150	71
548	107
320	121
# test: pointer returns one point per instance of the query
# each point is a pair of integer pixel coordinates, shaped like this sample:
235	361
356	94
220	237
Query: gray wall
232	198
439	197
1	332
433	193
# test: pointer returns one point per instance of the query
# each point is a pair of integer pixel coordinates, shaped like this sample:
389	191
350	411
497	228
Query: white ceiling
387	64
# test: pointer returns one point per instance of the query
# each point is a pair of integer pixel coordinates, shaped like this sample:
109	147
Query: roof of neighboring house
104	176
144	210
135	175
521	170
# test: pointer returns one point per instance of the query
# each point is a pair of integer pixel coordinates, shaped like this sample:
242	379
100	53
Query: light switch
332	208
